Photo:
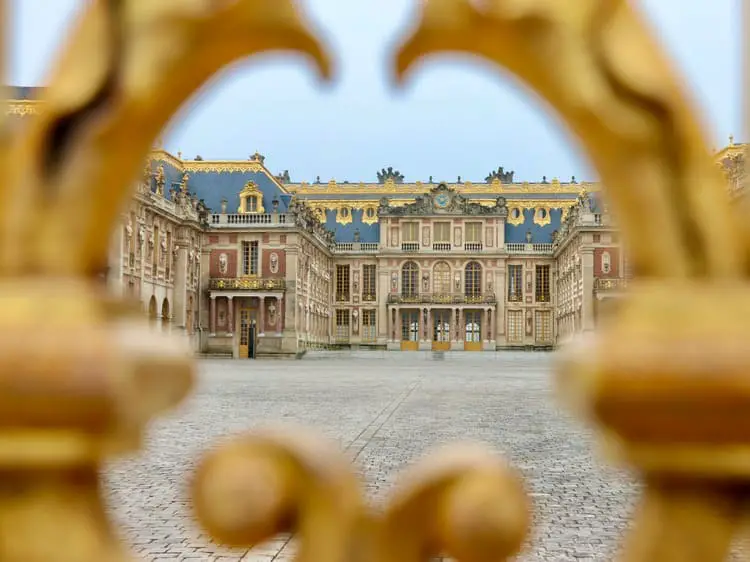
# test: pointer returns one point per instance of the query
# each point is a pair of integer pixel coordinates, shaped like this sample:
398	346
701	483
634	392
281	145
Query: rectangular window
515	283
368	325
597	238
250	258
410	232
368	282
542	283
543	326
342	283
443	232
473	232
252	205
342	324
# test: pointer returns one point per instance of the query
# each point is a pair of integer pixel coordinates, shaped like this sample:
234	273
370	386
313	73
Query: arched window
152	309
606	262
410	279
473	279
441	278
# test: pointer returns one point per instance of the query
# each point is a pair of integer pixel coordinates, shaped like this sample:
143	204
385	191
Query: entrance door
409	330
441	330
473	334
248	335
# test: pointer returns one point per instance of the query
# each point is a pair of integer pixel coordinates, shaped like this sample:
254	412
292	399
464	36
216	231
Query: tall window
515	283
542	283
473	279
515	326
368	283
410	279
250	258
473	232
342	283
441	278
342	324
368	325
410	232
543	326
442	232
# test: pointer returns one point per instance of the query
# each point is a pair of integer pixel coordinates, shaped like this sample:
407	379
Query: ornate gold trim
515	221
23	107
344	214
418	188
542	216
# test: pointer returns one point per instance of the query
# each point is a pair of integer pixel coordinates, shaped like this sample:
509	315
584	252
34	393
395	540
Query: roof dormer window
251	199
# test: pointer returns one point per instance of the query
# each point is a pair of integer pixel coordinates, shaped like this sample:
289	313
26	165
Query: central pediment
442	200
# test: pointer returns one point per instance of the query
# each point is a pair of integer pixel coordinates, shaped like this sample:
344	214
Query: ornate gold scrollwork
652	379
462	501
659	378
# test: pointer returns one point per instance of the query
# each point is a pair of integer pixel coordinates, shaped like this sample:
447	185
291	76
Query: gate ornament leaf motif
671	407
461	501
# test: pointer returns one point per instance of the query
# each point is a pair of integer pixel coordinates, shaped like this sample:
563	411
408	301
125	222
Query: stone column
262	315
430	328
279	315
230	315
116	256
180	286
212	316
461	325
587	308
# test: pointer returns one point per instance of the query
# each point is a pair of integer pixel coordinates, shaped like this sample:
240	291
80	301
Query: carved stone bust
223	263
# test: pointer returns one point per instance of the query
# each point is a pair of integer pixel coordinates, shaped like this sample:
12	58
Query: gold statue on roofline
671	404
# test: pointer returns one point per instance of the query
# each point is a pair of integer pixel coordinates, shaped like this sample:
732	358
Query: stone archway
165	314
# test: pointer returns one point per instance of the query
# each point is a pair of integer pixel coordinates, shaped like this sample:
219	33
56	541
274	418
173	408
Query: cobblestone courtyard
385	412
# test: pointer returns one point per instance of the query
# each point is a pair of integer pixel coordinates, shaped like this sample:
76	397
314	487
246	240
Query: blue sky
455	117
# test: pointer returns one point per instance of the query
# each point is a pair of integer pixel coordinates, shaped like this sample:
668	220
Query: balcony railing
441	246
345	247
442	298
247	284
250	219
521	248
610	285
410	246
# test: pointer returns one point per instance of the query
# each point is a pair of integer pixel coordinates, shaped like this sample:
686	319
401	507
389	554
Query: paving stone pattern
385	412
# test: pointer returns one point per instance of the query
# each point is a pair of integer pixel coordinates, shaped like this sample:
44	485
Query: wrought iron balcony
615	284
442	298
247	284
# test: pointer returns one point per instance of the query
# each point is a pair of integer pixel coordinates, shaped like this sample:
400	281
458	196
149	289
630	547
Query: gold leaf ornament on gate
461	501
81	374
99	375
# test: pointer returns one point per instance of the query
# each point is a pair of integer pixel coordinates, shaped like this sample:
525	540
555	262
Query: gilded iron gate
666	385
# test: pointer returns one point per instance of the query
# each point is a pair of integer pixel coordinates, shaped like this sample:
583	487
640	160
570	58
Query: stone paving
385	411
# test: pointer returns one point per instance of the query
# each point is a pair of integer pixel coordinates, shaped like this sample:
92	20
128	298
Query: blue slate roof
345	232
27	93
539	234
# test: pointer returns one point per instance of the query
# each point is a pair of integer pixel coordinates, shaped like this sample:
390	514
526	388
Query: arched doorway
152	310
410	317
473	317
441	317
165	317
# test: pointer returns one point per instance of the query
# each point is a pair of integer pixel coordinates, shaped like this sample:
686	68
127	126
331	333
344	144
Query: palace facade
245	262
